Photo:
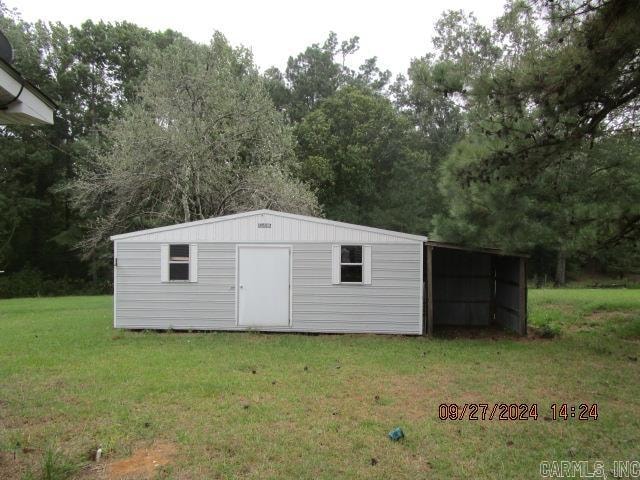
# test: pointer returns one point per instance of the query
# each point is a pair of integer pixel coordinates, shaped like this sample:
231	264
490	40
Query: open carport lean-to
477	287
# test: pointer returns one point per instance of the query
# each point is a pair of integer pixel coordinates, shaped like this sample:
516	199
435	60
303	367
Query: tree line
522	136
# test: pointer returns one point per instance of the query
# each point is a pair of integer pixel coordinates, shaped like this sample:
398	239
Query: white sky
394	31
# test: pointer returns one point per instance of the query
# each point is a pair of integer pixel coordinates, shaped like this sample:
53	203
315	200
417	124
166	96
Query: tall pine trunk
561	268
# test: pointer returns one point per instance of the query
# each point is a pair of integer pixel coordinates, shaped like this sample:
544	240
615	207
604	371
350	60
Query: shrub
33	283
546	330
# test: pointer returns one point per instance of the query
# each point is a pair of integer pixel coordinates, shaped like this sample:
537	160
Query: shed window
178	262
351	264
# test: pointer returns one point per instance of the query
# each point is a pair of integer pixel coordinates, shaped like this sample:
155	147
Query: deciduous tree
202	139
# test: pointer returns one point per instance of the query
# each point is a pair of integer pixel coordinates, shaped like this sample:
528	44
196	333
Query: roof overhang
20	101
490	251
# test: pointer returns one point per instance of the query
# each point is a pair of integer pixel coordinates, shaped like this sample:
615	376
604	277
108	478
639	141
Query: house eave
22	102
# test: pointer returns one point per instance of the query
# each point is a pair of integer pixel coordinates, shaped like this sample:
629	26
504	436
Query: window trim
361	264
182	261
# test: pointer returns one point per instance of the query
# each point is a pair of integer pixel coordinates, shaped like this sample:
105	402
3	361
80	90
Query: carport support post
522	303
429	291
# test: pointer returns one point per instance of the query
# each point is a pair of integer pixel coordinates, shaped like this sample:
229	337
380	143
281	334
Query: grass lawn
248	405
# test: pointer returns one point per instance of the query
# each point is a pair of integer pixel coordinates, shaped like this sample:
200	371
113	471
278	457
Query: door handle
241	286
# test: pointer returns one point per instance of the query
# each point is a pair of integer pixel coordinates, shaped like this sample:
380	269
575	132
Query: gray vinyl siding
391	304
143	301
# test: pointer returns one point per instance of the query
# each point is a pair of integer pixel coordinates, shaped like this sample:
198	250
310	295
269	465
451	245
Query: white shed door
263	286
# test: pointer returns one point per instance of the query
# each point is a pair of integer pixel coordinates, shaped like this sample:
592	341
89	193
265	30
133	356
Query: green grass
316	406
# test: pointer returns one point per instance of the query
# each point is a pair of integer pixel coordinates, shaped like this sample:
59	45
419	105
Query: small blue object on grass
396	434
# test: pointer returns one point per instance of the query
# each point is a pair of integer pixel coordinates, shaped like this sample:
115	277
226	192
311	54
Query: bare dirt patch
143	464
10	467
606	315
491	332
565	308
597	319
536	333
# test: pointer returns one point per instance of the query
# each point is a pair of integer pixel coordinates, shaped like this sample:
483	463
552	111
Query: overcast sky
394	31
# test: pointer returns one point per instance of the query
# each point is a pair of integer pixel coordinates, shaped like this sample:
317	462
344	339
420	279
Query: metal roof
290	216
491	251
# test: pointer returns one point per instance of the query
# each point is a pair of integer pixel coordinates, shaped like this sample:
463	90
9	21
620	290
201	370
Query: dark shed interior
474	287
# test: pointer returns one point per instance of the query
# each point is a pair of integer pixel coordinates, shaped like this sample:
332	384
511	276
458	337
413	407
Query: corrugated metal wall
462	287
391	304
477	288
508	293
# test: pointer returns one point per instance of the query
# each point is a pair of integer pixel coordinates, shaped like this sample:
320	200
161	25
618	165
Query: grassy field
247	405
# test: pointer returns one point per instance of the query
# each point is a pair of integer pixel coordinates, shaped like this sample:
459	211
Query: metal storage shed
270	271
